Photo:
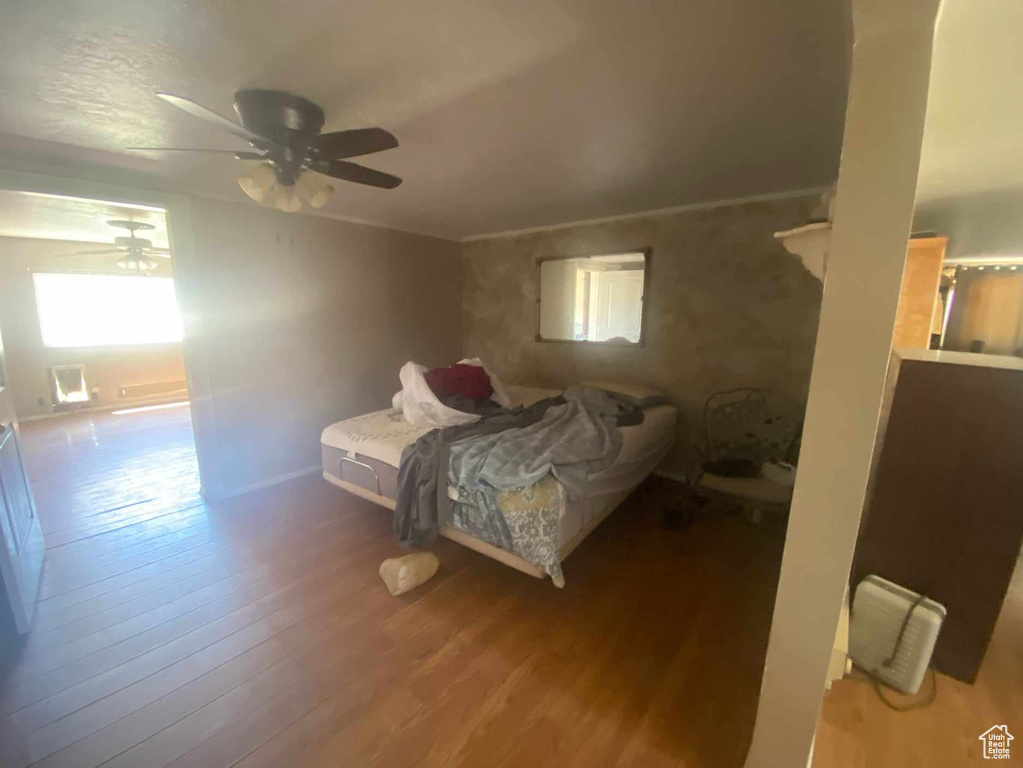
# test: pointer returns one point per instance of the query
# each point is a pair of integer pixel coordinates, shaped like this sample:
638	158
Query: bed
362	454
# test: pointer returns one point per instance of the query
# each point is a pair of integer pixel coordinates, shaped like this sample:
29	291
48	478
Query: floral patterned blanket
523	521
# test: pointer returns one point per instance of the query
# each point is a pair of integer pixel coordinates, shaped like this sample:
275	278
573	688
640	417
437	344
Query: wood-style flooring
256	632
87	465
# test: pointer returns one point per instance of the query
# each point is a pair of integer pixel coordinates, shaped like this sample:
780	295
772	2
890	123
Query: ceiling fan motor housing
131	226
137	243
287	120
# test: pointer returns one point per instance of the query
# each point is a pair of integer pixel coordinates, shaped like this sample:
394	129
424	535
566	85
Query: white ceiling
48	217
974	124
510	113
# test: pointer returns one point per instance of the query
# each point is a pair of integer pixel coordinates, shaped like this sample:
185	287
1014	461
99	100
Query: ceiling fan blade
359	141
199	111
239	155
340	169
157	254
104	252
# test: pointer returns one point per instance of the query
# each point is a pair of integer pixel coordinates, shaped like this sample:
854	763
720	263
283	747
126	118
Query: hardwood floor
256	632
857	730
87	465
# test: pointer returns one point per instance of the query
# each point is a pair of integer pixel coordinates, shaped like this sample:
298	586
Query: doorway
94	360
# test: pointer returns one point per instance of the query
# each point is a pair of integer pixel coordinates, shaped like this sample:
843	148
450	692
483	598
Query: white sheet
381	435
422	408
658	428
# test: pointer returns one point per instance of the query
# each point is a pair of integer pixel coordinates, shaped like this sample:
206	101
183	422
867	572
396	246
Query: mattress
362	455
383	435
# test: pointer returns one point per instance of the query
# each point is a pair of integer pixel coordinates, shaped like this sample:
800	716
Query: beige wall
728	306
106	368
307	321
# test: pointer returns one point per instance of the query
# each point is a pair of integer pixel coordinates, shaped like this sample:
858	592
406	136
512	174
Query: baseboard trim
106	408
276	480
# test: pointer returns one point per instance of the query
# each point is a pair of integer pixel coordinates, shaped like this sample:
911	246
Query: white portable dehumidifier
892	632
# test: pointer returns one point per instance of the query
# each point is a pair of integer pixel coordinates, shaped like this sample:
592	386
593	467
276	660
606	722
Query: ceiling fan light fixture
287	199
259	183
284	131
135	263
321	198
317	189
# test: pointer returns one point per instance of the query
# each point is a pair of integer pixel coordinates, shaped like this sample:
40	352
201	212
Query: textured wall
308	321
28	361
728	306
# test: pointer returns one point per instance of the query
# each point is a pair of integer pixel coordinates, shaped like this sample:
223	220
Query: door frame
187	287
21	570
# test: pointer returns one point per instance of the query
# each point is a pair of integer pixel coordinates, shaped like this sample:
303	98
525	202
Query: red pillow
470	381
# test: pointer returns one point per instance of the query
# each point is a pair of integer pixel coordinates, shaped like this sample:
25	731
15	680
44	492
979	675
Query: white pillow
420	406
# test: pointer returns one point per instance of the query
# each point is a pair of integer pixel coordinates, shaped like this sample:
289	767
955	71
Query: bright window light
105	310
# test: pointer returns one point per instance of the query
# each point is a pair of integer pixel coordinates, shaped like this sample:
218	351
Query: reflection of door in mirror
593	298
619	306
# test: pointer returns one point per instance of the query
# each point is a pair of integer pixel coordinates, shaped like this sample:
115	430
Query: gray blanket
423	470
508	478
568	437
573	439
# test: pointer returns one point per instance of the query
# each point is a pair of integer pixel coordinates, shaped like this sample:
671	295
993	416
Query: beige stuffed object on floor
401	574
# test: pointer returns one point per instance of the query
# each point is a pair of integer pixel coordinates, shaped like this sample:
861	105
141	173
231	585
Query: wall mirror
597	299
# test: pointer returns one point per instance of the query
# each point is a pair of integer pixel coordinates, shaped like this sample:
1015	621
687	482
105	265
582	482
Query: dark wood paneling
946	515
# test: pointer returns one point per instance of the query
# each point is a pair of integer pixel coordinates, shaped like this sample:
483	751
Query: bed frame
484	547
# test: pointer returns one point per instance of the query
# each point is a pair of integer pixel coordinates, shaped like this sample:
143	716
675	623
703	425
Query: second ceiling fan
136	254
284	132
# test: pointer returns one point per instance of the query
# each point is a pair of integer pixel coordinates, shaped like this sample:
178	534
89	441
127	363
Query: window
103	310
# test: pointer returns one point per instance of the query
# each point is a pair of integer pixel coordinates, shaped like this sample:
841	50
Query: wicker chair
751	426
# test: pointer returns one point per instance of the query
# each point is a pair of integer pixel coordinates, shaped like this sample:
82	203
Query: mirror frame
643	299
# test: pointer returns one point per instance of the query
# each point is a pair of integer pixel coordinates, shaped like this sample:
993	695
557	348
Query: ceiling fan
137	253
284	132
